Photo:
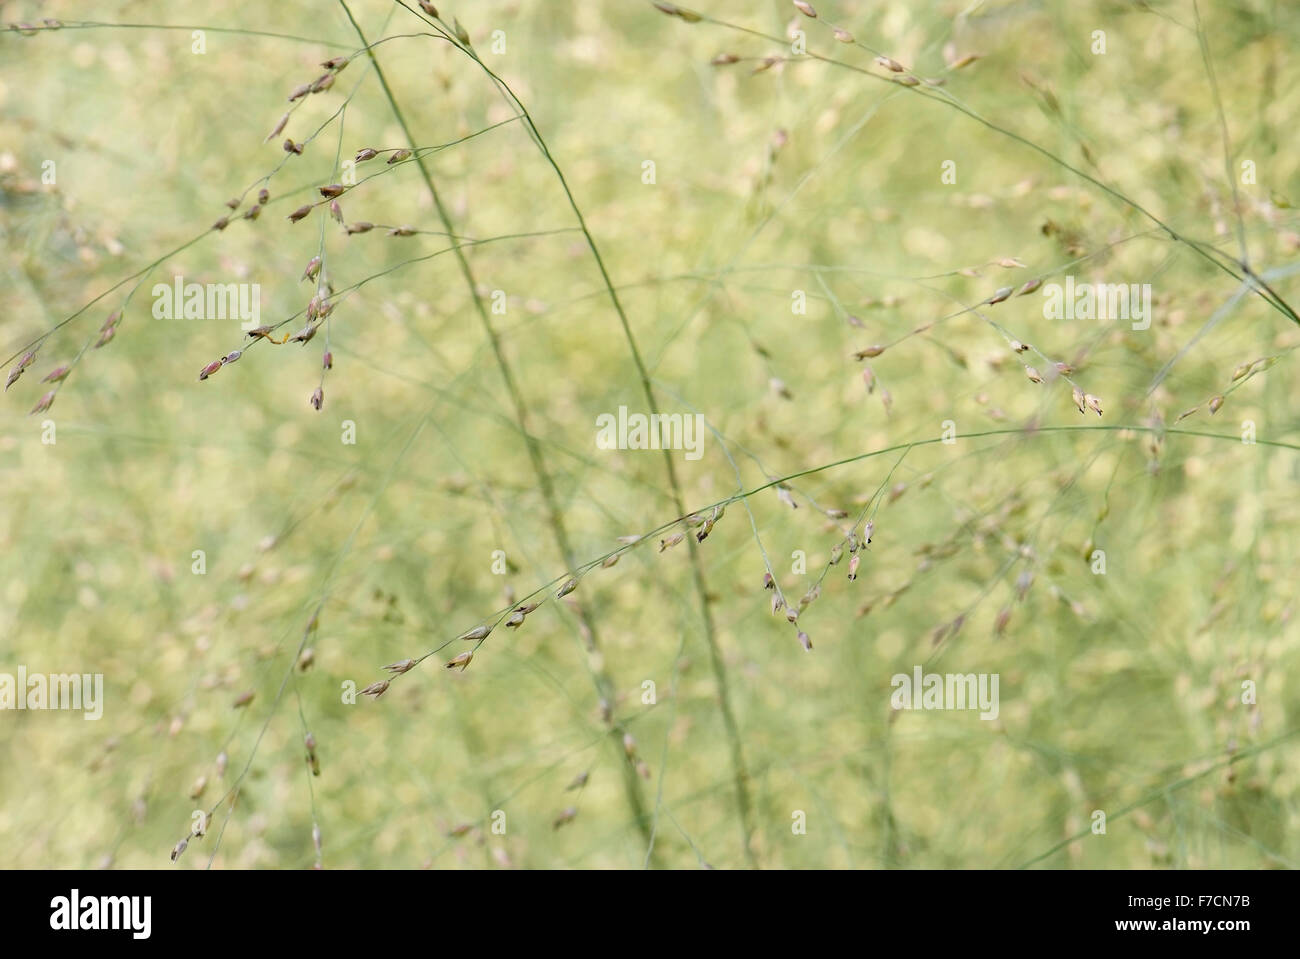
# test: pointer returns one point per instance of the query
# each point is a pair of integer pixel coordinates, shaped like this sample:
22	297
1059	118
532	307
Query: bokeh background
773	183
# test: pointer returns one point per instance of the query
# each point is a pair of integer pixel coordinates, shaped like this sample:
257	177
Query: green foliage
816	180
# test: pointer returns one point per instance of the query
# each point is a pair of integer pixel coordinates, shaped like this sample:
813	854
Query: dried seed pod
313	268
399	155
768	581
609	561
577	782
462	660
298	92
1215	404
332	190
671	541
322	83
376	689
806	8
259	331
56	375
362	227
327	360
629	745
291	147
842	35
303	335
516	619
221	224
401	666
867	531
804	641
1023	582
837	514
307	658
17	371
300	213
279	128
1076	394
179	848
907	81
429	8
209	369
1033	374
1093	402
723	59
43	403
365	153
231	357
889	63
1009	263
335	63
791	614
673	10
317	398
964	61
1029	287
253	212
837	553
783	494
402	231
1002	294
778	603
869	352
854	560
478	632
566	589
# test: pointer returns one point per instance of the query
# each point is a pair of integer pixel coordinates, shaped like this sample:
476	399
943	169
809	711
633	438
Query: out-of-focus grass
1120	692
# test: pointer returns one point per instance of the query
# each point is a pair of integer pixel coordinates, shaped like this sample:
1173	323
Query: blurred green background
804	181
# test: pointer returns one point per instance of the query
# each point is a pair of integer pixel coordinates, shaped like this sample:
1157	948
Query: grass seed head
376	689
462	660
279	128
